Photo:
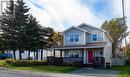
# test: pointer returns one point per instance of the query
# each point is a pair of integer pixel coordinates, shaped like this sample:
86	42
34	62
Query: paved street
5	73
85	72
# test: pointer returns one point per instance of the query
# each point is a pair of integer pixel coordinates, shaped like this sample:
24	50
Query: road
5	73
84	72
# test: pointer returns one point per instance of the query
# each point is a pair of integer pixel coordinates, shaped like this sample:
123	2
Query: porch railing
98	61
61	60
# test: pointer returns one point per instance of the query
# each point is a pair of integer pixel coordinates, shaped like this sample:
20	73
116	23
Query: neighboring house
86	44
25	54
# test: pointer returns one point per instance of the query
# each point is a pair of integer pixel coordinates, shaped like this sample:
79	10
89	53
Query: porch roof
88	45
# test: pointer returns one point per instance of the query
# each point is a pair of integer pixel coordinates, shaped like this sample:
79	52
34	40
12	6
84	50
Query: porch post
61	53
84	57
54	53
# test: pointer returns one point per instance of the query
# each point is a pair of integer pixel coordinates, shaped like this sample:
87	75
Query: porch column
84	56
61	53
54	53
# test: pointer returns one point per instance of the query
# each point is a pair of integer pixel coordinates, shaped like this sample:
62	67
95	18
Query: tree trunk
14	55
41	54
29	55
20	55
36	54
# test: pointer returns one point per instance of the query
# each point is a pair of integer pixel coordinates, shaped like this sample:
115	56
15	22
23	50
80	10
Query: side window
94	37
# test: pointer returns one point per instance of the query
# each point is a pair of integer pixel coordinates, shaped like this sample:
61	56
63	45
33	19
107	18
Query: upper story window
94	37
74	38
71	38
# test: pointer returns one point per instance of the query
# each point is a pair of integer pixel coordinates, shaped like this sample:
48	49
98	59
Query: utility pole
124	23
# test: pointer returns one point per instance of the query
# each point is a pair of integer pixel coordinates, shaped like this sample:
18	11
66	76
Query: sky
62	14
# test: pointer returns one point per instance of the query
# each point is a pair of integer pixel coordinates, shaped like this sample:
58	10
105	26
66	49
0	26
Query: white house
86	43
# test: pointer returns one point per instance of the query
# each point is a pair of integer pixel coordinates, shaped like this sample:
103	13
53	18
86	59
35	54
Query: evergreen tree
37	36
7	28
21	20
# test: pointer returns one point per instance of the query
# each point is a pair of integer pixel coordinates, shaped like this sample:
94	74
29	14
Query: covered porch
85	54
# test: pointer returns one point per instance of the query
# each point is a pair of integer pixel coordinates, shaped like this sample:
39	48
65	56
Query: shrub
3	63
12	62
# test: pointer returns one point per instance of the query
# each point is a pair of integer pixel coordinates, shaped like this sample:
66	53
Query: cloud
61	14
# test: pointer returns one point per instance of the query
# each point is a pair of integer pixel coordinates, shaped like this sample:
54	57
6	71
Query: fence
118	61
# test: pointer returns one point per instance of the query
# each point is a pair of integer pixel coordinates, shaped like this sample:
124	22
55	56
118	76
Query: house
25	54
86	44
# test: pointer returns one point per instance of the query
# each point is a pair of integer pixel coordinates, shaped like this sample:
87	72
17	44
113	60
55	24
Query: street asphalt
5	73
84	72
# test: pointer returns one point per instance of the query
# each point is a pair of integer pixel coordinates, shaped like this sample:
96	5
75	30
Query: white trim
90	26
110	38
103	36
80	47
72	28
85	38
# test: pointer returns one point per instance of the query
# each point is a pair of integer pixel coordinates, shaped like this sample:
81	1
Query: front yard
33	65
124	70
56	69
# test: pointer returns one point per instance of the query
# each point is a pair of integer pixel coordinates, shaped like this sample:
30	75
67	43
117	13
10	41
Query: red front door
90	57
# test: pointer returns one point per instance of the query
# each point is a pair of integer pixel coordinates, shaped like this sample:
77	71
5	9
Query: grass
124	70
55	69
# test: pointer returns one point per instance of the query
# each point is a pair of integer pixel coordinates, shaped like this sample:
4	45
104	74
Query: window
74	38
74	53
71	38
94	37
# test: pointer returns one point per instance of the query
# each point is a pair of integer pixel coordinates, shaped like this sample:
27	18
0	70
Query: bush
12	62
3	63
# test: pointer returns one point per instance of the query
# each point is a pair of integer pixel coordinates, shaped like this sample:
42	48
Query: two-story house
85	43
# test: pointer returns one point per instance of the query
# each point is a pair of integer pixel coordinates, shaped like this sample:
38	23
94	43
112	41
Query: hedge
11	62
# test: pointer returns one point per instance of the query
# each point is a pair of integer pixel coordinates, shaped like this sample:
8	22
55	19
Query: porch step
88	65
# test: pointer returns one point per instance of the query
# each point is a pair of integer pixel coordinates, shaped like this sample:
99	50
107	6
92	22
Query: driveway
91	72
84	72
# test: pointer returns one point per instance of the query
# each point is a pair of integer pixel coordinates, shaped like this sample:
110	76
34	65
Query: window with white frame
94	37
71	38
74	53
74	38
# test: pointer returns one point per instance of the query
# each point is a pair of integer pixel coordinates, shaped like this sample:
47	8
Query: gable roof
74	27
108	35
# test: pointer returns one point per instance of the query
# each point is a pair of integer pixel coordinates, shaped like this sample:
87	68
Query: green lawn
125	70
56	69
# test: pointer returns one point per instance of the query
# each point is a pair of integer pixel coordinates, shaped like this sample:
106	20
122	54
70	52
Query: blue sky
61	14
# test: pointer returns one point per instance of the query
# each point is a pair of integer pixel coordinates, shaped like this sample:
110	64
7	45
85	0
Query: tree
116	28
21	31
37	36
21	20
7	28
55	40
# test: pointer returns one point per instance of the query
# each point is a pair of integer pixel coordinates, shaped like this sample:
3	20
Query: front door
90	57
